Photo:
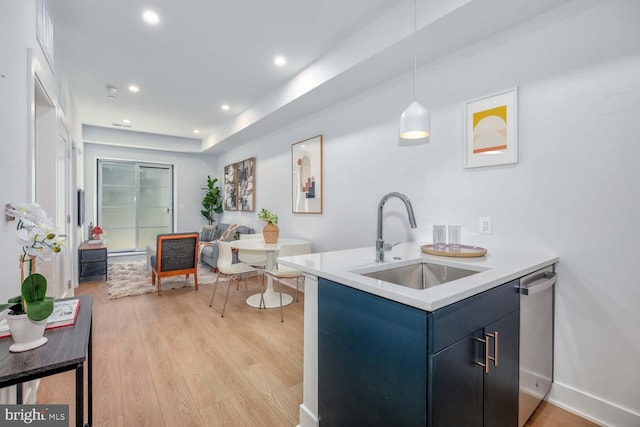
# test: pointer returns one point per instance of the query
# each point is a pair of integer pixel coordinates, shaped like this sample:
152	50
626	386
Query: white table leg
271	297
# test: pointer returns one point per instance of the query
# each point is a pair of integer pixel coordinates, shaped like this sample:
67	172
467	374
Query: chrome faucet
381	246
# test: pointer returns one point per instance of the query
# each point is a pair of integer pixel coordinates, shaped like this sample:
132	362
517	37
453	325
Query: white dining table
271	298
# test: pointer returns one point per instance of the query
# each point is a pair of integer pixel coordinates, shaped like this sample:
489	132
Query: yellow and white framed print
491	130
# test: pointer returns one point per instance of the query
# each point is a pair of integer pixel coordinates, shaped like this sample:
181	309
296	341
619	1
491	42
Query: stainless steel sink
421	275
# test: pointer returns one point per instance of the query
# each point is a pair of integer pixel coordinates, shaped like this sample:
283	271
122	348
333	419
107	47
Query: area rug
133	278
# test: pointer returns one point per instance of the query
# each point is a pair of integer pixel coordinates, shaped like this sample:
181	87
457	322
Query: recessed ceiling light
126	121
150	17
111	91
280	61
225	107
196	131
134	88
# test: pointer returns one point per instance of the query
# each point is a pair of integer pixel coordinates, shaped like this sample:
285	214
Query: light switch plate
484	224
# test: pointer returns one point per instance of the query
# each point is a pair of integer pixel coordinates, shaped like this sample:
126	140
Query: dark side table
92	260
67	349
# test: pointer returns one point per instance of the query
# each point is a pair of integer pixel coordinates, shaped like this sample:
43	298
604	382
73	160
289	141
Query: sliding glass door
135	203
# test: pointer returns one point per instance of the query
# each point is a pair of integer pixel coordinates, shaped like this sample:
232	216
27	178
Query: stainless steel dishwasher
536	339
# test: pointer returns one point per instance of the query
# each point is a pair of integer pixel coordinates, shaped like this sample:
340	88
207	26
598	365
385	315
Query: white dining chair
284	272
227	268
253	258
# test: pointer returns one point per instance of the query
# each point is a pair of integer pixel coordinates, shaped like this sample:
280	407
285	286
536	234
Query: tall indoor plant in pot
270	230
212	201
30	310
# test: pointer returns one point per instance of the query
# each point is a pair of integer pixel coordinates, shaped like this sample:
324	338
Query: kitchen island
388	349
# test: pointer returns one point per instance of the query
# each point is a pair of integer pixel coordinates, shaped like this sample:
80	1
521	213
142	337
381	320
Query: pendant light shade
415	121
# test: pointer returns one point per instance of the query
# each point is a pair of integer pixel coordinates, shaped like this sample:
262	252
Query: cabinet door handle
495	347
485	365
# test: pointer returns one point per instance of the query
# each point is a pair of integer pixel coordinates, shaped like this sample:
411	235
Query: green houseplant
270	230
33	300
30	310
267	216
212	201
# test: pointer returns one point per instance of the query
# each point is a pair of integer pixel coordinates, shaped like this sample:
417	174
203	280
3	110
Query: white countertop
345	267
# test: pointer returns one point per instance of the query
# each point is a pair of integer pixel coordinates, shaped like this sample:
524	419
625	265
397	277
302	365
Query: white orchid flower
16	209
35	230
39	230
31	251
26	213
46	254
13	213
26	237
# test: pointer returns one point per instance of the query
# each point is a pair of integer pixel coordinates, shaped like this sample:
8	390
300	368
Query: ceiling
204	54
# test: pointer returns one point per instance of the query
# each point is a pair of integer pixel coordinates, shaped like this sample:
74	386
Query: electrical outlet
484	224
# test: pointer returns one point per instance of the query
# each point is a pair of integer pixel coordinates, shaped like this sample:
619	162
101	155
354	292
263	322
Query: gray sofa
209	254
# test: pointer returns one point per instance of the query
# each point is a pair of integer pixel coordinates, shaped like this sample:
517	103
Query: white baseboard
592	407
307	419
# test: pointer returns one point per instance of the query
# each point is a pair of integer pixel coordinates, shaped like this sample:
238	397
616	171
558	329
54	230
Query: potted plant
30	310
212	201
270	230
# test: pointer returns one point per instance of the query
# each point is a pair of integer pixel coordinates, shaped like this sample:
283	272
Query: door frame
65	262
43	133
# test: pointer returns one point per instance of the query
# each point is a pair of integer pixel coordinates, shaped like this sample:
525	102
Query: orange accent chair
177	254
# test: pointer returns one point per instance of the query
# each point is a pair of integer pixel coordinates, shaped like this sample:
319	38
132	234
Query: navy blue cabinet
371	359
480	330
456	392
501	382
464	392
383	363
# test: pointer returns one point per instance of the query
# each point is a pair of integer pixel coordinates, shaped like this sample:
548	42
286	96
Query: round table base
271	300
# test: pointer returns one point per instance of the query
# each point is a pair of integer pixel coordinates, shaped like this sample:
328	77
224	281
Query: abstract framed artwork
491	130
230	202
306	176
246	171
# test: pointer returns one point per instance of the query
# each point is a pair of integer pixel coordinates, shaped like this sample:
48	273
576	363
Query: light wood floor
173	361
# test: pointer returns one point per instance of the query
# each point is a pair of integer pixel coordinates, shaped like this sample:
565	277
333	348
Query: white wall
17	36
19	49
190	176
14	39
573	193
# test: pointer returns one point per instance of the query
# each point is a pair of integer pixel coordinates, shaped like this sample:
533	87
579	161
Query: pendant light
415	121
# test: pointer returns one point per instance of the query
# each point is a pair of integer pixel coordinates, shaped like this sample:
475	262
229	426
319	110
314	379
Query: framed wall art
491	130
306	176
230	202
246	171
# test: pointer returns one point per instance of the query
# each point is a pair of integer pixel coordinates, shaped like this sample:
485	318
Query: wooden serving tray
464	251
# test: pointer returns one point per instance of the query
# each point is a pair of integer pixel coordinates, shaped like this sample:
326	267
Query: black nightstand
92	261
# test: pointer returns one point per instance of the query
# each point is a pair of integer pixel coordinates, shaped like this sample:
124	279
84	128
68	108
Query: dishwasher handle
545	281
